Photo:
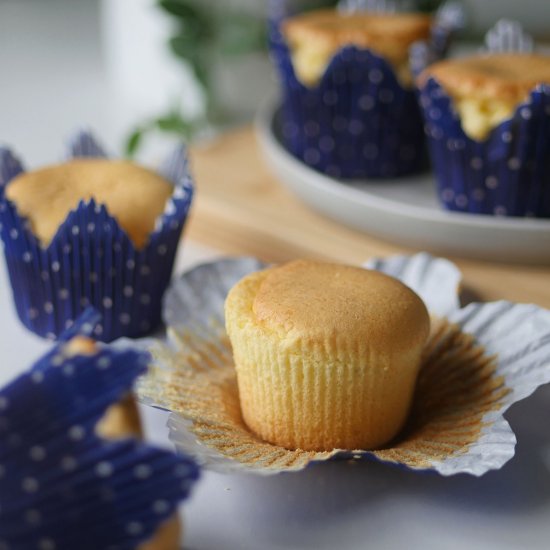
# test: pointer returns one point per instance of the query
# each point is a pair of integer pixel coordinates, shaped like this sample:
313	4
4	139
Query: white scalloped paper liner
196	379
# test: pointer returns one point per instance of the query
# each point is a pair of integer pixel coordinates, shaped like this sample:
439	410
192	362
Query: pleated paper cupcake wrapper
91	261
358	121
479	361
61	485
507	174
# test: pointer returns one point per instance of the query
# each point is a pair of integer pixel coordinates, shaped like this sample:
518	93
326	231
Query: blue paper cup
508	174
91	261
61	485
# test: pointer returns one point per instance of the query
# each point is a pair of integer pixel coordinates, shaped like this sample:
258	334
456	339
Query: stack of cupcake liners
63	486
91	261
358	121
479	361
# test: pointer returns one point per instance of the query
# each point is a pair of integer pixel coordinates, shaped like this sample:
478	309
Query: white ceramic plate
404	211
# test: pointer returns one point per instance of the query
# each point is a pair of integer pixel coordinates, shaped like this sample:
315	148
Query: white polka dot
461	201
125	319
104	469
436	132
14	234
46	544
142	471
478	194
435	113
33	517
45	275
514	163
366	102
130	264
37	377
526	113
491	182
103	362
4	403
67	249
69	323
50	336
134	528
370	151
311	156
476	163
145	270
63	294
128	291
447	194
68	369
30	485
500	211
145	299
76	433
98	330
75	230
37	453
161	506
93	277
376	76
68	463
57	360
326	144
506	137
56	266
48	308
91	227
162	249
87	328
33	313
107	303
27	257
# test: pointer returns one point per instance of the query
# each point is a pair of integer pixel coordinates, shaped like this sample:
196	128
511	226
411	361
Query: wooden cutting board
241	209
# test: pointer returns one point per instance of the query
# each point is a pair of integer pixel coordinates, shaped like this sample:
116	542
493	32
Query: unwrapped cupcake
348	105
488	127
92	232
73	474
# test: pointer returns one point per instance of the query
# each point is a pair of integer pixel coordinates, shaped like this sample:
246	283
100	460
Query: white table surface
53	81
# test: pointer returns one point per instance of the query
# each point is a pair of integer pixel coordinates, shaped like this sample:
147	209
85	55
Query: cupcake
92	232
488	126
66	485
326	355
348	107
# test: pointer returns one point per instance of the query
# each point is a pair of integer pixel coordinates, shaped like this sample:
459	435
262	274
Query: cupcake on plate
488	127
348	105
66	485
326	355
92	232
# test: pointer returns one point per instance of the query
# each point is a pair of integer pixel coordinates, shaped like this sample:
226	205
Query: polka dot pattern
505	175
91	261
53	464
333	126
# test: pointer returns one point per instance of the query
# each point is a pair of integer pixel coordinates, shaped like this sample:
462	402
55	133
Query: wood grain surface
241	209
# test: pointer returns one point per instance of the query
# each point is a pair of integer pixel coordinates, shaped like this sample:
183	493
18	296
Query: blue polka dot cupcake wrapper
91	261
357	122
61	485
508	174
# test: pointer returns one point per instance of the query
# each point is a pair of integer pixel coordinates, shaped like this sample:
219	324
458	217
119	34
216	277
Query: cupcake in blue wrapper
348	105
92	232
488	127
61	484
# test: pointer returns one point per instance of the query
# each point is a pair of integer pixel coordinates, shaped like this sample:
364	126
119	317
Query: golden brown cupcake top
134	195
315	300
314	37
486	89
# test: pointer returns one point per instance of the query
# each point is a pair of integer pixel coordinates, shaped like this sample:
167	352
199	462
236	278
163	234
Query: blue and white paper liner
515	339
61	485
508	174
358	121
91	261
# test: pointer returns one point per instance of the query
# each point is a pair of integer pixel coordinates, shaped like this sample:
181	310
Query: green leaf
133	142
241	34
180	8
